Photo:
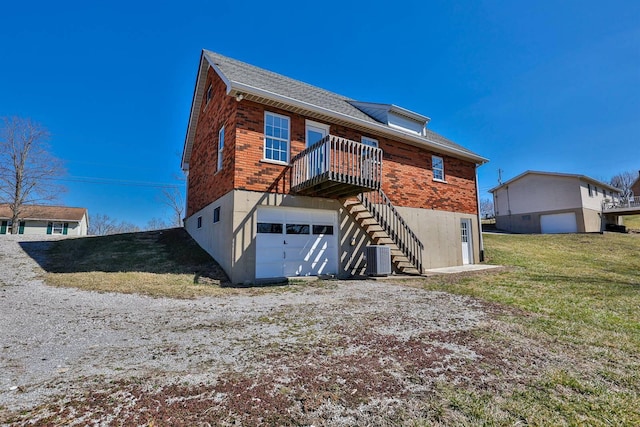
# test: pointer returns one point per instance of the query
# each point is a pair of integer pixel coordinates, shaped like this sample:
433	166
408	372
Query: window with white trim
437	165
369	141
590	190
276	137
216	215
220	147
57	228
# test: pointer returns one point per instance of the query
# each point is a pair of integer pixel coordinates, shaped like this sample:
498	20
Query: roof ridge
281	76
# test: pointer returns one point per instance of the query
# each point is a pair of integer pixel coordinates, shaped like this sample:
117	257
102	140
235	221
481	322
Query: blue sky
543	85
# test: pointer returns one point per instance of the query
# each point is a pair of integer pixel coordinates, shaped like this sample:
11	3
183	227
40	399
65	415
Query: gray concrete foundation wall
439	231
232	241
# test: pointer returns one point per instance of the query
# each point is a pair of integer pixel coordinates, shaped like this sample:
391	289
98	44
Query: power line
110	181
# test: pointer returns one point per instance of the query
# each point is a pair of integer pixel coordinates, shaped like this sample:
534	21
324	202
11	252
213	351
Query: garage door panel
304	252
558	223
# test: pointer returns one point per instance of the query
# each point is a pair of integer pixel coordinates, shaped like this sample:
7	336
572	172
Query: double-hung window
220	147
276	137
369	141
437	165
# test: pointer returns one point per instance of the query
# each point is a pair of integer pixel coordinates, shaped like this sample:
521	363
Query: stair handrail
388	217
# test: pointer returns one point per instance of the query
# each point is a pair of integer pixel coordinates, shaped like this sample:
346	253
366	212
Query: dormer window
394	116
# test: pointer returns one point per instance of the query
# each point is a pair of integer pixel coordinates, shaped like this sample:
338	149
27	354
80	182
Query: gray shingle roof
241	76
241	72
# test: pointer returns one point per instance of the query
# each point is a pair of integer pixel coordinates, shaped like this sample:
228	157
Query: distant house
36	219
288	179
546	202
636	186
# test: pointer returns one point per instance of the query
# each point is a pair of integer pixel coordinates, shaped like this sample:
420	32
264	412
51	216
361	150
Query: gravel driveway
57	344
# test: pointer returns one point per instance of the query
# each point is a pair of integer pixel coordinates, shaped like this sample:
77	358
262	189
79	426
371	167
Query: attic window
209	94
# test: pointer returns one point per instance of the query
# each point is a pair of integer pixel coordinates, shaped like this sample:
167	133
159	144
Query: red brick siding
636	188
408	179
206	184
252	173
407	175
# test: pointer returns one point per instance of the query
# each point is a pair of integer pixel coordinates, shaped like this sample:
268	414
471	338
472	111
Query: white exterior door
296	242
465	237
558	223
314	132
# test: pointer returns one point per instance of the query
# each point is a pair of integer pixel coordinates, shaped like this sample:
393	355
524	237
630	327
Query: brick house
635	187
287	179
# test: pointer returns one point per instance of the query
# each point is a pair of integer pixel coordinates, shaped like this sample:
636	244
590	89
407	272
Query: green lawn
576	299
632	222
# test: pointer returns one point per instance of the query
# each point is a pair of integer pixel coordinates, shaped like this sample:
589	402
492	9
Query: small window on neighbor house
590	190
209	94
216	215
57	228
199	222
595	189
526	217
437	165
220	147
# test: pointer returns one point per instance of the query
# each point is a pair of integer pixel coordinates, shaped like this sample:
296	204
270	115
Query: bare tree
174	199
27	168
486	208
623	182
156	224
102	225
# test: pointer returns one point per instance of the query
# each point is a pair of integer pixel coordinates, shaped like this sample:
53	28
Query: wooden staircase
383	224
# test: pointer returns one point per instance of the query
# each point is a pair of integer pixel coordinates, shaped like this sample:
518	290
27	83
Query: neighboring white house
546	202
40	219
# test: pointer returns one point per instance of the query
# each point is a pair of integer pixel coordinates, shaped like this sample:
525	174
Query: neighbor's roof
562	175
274	89
49	213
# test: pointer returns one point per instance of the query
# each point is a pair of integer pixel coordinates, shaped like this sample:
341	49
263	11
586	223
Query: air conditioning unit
378	260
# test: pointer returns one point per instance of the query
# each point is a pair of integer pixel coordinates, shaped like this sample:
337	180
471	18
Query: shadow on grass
163	251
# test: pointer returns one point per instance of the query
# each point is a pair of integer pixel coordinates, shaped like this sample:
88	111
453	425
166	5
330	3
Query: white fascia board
188	139
241	87
197	95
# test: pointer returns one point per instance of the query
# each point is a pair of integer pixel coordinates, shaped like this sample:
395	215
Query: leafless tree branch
27	168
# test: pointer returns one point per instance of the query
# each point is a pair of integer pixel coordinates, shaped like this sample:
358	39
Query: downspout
479	216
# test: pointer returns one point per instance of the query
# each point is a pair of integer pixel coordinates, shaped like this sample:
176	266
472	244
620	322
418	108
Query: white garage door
558	223
296	242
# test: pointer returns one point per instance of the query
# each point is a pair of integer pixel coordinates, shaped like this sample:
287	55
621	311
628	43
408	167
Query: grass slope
157	263
577	297
632	222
